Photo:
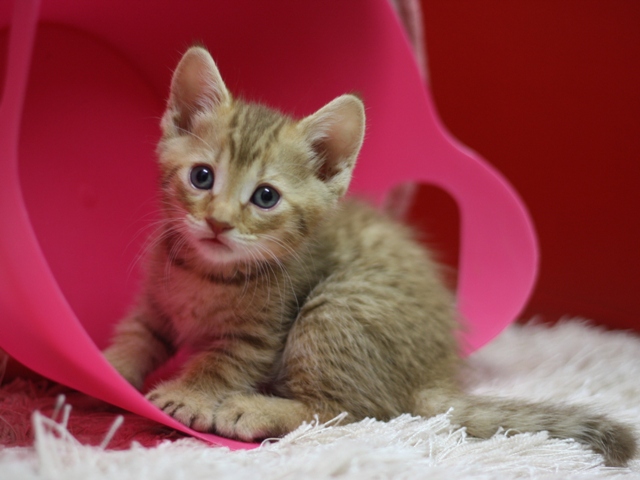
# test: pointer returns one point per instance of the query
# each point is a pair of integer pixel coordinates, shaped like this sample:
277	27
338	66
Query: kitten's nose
218	227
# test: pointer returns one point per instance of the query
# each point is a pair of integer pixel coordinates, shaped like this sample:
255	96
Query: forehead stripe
257	128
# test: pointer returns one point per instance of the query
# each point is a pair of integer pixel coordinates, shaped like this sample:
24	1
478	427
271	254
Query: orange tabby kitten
295	302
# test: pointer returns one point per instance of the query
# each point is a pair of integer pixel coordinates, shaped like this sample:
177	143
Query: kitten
294	302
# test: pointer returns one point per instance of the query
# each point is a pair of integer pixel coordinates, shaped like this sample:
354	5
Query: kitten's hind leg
251	417
339	357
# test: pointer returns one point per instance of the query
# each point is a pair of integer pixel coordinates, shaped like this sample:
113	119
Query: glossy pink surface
78	124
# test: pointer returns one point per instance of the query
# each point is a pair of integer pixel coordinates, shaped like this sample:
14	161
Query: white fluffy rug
570	362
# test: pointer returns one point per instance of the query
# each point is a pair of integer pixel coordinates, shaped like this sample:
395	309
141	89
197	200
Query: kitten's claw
186	405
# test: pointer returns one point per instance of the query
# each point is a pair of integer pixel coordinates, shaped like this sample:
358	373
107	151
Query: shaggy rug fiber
50	432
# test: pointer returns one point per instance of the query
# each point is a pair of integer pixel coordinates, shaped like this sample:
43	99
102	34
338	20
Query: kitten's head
242	182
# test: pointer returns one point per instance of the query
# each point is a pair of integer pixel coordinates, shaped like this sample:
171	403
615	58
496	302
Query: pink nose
218	227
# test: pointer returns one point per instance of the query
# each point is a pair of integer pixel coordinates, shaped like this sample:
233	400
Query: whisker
303	262
285	273
161	230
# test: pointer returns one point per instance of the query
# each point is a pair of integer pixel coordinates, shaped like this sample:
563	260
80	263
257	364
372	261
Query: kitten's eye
201	177
265	197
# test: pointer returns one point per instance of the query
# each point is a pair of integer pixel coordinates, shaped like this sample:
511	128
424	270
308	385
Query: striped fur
312	307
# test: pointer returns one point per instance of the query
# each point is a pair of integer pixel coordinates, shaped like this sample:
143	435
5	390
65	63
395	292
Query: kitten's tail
483	416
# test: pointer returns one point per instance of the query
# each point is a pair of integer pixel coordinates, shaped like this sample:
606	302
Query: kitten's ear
335	133
196	87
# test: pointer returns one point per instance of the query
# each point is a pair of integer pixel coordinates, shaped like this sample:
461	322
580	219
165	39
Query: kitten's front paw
186	405
251	417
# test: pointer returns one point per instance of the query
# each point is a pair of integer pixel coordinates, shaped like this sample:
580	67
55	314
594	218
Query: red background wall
549	92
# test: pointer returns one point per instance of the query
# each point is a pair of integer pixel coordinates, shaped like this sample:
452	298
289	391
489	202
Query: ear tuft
196	87
335	133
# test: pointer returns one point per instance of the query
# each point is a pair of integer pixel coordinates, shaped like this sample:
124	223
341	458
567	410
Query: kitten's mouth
215	242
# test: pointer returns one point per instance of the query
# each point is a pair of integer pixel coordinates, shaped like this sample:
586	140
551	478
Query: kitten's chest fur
205	306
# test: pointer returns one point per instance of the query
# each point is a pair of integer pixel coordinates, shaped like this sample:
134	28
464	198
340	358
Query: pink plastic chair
78	123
